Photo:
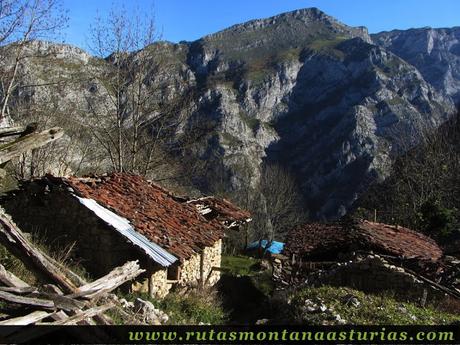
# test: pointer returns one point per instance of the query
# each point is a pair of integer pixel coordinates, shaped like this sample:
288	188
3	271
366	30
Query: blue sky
192	19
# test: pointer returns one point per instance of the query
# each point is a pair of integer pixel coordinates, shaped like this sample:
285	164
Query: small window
174	272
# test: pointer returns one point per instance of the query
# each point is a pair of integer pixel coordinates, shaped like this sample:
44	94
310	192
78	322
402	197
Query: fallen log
109	282
450	292
15	241
28	142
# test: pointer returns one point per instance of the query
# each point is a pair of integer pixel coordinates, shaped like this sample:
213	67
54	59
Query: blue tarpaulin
275	247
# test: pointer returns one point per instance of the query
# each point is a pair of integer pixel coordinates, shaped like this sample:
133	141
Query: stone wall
213	258
371	273
191	269
60	221
156	284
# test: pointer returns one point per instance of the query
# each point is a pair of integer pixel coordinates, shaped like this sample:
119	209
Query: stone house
368	256
114	218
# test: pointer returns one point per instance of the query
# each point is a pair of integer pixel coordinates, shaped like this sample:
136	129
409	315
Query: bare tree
135	117
21	22
284	202
423	180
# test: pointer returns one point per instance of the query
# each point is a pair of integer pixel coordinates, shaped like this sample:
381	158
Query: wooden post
202	269
27	143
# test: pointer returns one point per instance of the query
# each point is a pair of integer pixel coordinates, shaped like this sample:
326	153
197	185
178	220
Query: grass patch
238	265
328	46
196	307
15	266
61	254
373	309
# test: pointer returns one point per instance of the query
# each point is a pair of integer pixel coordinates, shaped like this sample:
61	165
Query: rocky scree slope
327	101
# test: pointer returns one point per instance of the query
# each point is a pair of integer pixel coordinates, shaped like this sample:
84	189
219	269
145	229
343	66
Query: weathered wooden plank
15	241
9	279
60	302
449	291
31	302
27	335
28	142
27	319
89	313
10	131
109	282
18	290
51	288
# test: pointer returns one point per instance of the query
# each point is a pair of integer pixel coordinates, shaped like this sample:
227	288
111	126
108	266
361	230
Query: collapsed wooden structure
65	298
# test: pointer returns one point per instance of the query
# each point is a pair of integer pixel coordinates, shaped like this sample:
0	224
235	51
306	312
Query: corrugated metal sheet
124	227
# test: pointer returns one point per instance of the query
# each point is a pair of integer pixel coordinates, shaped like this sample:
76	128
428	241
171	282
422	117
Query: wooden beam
9	279
109	282
10	131
19	290
27	319
31	302
28	142
89	313
15	241
60	302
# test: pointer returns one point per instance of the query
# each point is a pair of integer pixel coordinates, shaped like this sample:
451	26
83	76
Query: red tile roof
153	211
314	239
399	241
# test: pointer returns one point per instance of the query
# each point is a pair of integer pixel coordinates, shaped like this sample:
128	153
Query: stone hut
115	218
328	242
364	255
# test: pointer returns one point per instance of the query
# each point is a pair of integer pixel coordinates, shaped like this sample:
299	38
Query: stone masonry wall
190	269
369	274
213	258
156	285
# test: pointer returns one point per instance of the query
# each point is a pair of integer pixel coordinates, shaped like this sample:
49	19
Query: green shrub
437	219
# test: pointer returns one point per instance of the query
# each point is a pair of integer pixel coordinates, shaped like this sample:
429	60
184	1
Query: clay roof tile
153	211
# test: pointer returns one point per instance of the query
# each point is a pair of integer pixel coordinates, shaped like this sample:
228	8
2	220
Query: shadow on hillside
245	302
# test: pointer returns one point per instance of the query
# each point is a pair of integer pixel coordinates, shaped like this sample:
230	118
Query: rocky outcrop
434	52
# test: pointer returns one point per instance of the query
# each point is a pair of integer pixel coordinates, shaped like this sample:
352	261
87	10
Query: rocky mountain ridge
329	102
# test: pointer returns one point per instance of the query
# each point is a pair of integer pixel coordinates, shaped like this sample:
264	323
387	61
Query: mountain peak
292	27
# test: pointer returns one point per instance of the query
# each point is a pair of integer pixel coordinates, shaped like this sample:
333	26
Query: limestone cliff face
301	89
434	52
